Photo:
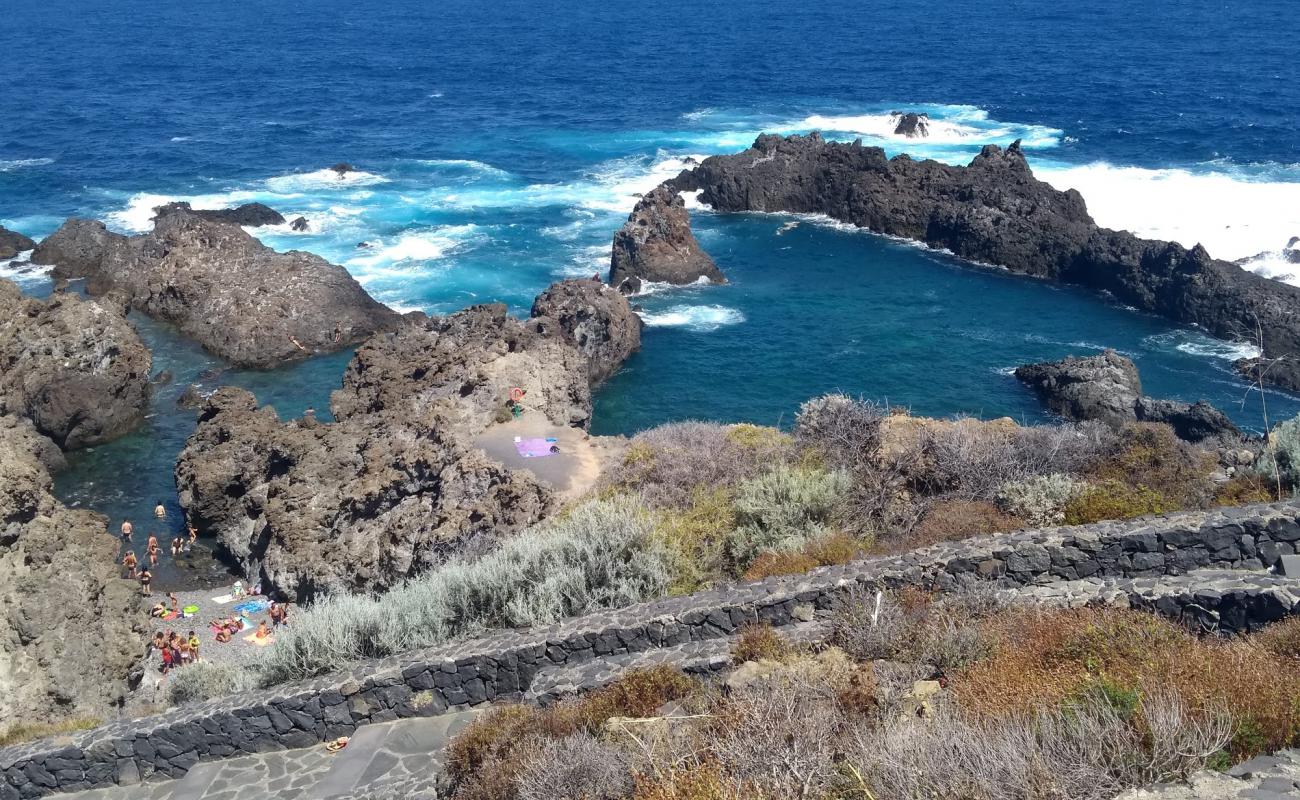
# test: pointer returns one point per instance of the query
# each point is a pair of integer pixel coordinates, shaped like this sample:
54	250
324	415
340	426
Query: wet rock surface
12	243
250	215
238	298
1107	388
75	368
995	211
656	244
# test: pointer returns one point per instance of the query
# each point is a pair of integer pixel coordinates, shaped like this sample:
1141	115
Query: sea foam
695	318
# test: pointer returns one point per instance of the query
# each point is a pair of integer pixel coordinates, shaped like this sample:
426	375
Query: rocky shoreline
994	211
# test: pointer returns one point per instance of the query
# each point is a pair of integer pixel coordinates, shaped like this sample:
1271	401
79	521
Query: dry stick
1262	368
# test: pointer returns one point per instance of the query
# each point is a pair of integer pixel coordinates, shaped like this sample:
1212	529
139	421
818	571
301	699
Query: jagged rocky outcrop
69	625
656	244
251	215
466	364
912	125
12	243
596	319
995	211
75	368
1107	388
241	300
359	504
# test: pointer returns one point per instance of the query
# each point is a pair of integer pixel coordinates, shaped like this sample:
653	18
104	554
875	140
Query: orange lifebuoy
517	394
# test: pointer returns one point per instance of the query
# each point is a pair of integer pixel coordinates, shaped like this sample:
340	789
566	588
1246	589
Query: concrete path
393	759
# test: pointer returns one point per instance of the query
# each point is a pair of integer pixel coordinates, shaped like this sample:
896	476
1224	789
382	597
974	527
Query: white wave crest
322	179
1213	348
1232	216
20	163
695	318
415	246
137	217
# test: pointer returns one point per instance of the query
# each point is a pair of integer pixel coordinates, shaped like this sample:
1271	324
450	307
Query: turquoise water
500	146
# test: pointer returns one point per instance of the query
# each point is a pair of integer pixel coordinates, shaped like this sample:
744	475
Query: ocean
499	146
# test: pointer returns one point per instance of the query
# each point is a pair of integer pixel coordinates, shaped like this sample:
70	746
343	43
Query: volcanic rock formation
656	244
393	486
69	630
912	125
594	318
251	215
75	368
12	243
996	212
238	298
1106	387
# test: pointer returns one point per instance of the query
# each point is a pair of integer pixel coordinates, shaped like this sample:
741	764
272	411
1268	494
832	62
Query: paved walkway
401	759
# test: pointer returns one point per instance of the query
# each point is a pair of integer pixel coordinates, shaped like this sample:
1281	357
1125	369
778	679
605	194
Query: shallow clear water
501	145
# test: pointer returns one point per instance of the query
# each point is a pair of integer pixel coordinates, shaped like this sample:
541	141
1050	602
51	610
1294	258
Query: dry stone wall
504	665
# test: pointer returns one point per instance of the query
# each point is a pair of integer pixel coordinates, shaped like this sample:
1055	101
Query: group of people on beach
176	650
132	568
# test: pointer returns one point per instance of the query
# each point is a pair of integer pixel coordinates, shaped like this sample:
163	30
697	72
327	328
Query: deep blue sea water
501	145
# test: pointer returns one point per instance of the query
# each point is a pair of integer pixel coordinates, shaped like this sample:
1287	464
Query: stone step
702	657
348	764
196	781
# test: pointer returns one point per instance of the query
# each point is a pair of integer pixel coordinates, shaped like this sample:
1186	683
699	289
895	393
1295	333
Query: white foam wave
20	163
1213	348
696	318
138	215
179	139
466	163
415	246
19	270
322	179
947	125
649	288
1232	216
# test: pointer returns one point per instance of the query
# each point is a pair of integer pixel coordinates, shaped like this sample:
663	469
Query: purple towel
534	448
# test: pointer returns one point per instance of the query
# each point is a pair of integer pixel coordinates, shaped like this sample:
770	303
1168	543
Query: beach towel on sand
534	448
223	599
252	606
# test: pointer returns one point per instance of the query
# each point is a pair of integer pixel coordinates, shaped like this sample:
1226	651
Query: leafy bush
1244	489
204	679
941	634
695	538
837	548
782	510
1112	499
1284	448
761	643
601	555
1151	456
960	519
1039	500
844	430
669	464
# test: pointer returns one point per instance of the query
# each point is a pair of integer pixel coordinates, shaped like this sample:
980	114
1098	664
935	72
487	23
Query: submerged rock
995	211
75	368
1106	388
656	244
70	627
912	125
12	243
342	168
250	215
300	224
238	298
594	318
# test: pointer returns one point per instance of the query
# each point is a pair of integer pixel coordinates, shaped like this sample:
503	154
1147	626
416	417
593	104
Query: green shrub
694	538
602	554
844	430
1115	500
953	520
1150	456
782	510
204	679
1039	500
1284	448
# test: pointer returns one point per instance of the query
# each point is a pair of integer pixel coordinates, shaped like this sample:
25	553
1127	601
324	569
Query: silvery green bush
1039	500
784	509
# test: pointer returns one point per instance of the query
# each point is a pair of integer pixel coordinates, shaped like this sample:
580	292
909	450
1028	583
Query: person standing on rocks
146	577
130	563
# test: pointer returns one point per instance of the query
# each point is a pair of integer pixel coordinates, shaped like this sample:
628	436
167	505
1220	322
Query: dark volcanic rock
656	244
995	211
75	368
466	364
342	168
12	243
300	224
357	505
251	215
190	398
594	318
70	628
238	298
1106	388
912	125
